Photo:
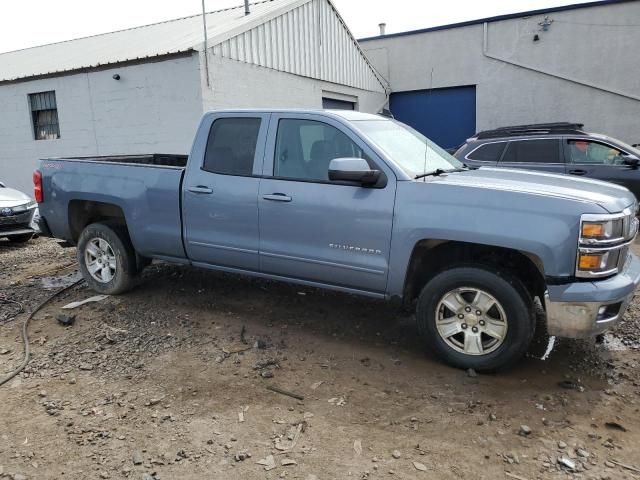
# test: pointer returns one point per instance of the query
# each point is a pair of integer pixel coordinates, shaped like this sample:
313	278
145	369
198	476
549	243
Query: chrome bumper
584	309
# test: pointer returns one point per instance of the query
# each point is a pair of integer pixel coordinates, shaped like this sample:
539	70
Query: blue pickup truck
362	204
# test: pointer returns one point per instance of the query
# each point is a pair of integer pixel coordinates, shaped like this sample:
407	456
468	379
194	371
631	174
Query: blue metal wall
445	115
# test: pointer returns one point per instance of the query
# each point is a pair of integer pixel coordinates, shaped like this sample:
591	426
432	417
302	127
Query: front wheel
107	259
476	318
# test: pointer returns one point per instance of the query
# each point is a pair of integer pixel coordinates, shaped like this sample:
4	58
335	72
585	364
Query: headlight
603	244
27	206
601	230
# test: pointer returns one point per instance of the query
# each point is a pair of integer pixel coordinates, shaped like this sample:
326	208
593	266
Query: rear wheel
107	259
476	318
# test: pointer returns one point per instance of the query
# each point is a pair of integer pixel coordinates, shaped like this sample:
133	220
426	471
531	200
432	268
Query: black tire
511	296
123	278
21	238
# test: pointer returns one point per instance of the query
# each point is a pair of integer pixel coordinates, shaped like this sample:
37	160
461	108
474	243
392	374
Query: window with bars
44	114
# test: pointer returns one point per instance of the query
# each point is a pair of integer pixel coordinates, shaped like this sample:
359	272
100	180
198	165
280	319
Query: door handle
200	189
577	172
277	197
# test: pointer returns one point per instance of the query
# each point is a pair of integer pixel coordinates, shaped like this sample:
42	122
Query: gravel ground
171	381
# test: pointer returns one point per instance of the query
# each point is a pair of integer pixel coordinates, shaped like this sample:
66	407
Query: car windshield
409	149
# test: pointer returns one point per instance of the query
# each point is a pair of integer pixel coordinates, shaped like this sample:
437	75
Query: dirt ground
170	382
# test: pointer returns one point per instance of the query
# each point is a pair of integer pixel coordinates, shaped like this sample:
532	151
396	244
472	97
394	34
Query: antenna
426	145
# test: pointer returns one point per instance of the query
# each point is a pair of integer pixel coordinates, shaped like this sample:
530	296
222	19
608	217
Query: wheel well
430	257
84	212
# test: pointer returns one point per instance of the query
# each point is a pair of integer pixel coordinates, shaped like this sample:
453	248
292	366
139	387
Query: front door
220	199
602	161
314	229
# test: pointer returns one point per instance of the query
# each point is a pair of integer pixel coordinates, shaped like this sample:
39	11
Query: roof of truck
346	114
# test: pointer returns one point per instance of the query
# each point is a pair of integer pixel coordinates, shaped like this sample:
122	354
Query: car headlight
27	206
603	244
600	230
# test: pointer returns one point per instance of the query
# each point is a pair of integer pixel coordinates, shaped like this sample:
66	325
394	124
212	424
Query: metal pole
247	11
206	45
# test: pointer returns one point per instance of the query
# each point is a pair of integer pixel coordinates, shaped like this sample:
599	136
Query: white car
17	214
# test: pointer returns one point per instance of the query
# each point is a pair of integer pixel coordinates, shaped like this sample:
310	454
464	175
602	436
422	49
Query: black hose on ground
25	334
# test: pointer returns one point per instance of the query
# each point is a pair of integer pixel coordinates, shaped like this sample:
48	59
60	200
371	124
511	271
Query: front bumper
584	309
17	224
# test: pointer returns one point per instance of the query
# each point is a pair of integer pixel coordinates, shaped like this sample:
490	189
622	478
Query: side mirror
631	160
2	185
353	170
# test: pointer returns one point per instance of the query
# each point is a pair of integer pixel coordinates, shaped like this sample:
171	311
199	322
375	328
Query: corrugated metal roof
170	37
310	40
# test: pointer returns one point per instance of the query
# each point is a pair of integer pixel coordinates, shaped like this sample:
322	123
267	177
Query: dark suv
555	147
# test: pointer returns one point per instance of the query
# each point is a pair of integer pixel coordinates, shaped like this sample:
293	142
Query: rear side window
489	152
231	146
532	151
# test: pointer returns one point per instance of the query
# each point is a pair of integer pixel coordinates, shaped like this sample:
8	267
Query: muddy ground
170	382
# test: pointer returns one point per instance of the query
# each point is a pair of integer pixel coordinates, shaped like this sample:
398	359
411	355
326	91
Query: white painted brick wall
154	107
237	84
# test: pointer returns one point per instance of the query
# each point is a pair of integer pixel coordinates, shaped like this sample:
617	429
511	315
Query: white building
143	90
577	63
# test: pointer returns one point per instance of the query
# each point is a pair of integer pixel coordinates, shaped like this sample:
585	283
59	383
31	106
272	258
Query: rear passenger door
220	191
542	154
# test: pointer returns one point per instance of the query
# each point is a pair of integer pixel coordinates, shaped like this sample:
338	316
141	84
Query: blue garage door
445	115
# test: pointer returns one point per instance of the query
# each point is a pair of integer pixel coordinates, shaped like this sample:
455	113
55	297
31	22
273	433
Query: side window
489	152
231	146
585	151
304	149
532	151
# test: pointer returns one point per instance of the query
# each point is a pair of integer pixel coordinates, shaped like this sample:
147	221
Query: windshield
409	149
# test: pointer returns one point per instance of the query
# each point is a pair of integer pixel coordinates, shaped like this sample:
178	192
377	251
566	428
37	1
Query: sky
27	23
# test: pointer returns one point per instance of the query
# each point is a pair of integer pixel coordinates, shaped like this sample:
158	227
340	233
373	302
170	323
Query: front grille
17	219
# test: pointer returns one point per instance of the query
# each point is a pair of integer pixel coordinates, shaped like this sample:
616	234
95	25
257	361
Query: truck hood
12	198
613	198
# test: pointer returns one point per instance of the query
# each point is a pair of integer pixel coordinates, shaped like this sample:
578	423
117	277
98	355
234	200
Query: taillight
37	186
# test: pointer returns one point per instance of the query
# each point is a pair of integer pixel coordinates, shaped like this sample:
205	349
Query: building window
335	104
44	115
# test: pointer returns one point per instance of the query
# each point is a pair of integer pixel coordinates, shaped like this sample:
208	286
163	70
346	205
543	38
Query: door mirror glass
353	170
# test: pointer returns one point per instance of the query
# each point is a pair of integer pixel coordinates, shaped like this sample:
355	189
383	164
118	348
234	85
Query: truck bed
145	188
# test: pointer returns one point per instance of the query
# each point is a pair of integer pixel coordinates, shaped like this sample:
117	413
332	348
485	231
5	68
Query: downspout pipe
485	52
